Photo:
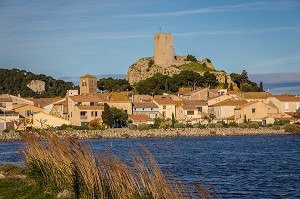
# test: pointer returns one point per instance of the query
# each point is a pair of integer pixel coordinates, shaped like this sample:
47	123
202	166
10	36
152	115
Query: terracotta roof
193	104
184	90
64	102
256	95
230	102
164	99
142	98
287	98
141	118
244	105
86	98
90	107
194	91
144	105
42	102
88	76
118	96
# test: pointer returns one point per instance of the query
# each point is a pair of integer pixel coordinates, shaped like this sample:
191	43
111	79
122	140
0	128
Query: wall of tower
88	85
163	49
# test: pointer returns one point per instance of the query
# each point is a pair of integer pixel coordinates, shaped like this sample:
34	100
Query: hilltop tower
88	84
163	49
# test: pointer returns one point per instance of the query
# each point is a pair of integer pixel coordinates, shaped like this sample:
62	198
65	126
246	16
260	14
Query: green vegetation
194	66
191	58
244	84
60	165
14	81
113	117
150	63
113	85
292	128
159	84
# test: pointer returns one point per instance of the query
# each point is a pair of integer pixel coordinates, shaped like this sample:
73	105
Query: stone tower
88	84
163	49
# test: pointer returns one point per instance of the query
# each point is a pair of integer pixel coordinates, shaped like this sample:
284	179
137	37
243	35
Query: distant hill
14	81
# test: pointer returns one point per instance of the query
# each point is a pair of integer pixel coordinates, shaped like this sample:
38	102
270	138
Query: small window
190	112
200	109
254	110
164	113
164	107
92	113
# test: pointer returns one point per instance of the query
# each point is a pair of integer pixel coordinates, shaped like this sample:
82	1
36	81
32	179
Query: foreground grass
21	188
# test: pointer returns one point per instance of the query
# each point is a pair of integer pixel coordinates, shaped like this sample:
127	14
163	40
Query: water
239	167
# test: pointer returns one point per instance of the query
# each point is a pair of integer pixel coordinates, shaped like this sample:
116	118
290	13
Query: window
3	105
200	109
164	107
83	115
92	113
190	112
93	103
28	113
254	110
164	113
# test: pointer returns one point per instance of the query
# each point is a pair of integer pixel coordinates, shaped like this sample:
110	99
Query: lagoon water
239	167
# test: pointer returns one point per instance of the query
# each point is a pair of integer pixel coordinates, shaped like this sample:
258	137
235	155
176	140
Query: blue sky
71	38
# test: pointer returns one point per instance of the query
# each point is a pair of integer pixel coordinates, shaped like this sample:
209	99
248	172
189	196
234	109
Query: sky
68	39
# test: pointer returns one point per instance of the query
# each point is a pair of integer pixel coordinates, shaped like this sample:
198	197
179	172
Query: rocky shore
152	133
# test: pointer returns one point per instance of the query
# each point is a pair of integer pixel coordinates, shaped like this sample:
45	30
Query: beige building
84	108
191	111
60	109
218	99
88	84
166	106
119	100
225	109
140	119
163	49
284	103
44	120
145	108
27	111
255	96
254	111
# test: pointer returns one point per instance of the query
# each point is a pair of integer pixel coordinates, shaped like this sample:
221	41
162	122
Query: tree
209	118
261	87
231	87
113	85
120	117
191	58
173	120
297	114
42	121
226	83
107	116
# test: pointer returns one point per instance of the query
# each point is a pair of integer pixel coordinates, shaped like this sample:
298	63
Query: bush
179	125
253	125
132	126
212	125
218	125
6	130
233	124
200	126
292	128
281	122
276	127
142	127
243	125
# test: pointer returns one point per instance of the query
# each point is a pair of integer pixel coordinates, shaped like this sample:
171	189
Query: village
200	106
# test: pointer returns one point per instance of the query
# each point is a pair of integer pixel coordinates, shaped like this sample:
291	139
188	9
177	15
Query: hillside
14	81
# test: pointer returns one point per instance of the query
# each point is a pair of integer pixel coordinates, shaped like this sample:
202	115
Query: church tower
88	84
163	49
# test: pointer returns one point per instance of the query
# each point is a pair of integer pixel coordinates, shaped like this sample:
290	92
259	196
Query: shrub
142	127
233	124
150	63
6	130
212	125
10	170
276	127
292	128
281	122
132	126
179	125
218	125
243	125
253	125
200	126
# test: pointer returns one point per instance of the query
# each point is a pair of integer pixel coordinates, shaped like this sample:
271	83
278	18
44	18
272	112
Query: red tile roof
287	98
230	102
141	118
88	76
164	99
144	105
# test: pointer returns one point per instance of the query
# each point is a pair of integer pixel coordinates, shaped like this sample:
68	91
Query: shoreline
151	133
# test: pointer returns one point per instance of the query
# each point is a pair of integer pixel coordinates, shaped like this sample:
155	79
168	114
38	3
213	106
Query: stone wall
125	133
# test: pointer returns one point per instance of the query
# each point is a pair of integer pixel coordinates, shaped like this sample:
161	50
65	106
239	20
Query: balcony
83	117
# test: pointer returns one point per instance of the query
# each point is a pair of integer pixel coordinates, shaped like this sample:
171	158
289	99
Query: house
26	111
7	118
88	84
119	100
139	119
255	96
285	103
225	109
84	108
191	111
166	106
198	94
6	103
254	111
145	108
44	120
218	99
60	109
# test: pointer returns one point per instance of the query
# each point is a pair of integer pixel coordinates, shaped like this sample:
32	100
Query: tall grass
57	165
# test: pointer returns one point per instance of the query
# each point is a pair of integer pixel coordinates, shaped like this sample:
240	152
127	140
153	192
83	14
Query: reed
58	165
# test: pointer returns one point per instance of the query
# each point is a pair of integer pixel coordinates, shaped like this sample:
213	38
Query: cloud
218	9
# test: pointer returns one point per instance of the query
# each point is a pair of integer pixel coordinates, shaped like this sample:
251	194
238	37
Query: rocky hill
146	67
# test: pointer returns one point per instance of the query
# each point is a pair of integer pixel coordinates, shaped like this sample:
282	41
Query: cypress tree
107	116
261	87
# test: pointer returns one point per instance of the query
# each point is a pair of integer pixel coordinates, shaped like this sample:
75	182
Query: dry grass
57	165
